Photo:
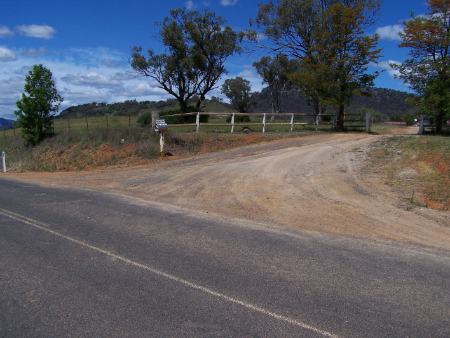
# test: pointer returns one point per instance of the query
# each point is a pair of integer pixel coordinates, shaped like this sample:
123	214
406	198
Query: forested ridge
386	101
5	123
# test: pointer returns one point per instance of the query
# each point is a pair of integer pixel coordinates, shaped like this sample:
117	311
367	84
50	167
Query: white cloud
112	64
228	2
142	89
12	85
190	5
124	76
4	32
10	92
390	32
387	66
24	70
33	53
247	73
7	55
36	31
76	98
91	79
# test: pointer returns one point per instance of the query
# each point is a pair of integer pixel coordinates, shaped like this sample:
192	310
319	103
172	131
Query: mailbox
161	125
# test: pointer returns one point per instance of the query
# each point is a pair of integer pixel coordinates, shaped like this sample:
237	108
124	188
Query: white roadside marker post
3	162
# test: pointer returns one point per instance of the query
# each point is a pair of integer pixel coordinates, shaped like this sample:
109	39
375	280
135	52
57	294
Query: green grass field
86	124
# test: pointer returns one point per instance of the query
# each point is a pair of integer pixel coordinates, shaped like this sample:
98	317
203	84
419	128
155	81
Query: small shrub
113	159
409	119
145	119
239	118
148	149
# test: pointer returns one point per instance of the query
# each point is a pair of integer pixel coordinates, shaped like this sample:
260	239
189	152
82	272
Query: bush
409	119
145	119
395	118
239	118
327	118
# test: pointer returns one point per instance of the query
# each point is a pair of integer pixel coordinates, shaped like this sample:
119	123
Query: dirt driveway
314	183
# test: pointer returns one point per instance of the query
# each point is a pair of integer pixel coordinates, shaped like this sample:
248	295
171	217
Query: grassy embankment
416	166
101	142
97	145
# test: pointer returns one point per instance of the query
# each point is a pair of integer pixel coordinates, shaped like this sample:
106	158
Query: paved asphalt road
82	263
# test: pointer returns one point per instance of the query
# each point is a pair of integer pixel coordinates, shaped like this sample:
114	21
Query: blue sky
86	45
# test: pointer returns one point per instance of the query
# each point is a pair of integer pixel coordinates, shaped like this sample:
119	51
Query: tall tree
427	72
238	91
308	79
293	27
274	72
38	105
198	46
339	57
288	25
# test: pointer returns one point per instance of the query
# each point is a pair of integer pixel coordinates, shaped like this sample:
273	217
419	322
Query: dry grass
417	166
86	149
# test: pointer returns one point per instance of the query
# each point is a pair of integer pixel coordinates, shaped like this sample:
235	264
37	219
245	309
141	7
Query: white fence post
317	122
292	122
232	122
264	123
197	122
367	122
3	162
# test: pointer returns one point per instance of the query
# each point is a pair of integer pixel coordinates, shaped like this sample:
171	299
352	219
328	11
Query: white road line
23	219
45	227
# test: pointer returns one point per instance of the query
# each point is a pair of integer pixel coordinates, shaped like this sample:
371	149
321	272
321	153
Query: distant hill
387	101
4	123
133	107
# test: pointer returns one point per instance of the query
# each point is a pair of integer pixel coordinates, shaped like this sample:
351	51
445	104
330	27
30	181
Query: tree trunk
438	122
183	106
199	102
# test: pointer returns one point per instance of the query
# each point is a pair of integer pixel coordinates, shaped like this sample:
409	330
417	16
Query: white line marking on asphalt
23	219
45	227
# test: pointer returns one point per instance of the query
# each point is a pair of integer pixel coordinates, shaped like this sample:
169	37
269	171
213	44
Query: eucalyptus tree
197	45
327	38
427	71
275	74
288	25
339	58
238	91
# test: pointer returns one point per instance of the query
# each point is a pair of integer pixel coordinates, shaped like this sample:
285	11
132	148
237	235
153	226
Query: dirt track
313	183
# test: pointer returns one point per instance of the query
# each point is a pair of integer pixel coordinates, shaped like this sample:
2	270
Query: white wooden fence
350	120
427	127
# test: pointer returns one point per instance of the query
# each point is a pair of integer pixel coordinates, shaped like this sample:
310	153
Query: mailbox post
161	127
